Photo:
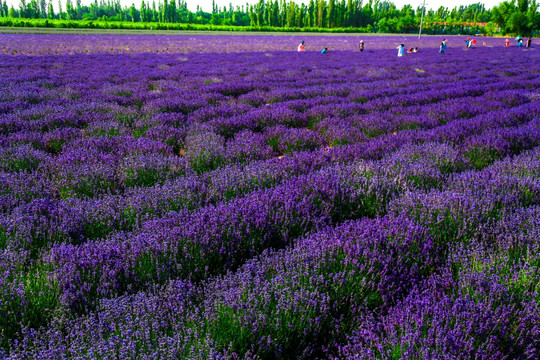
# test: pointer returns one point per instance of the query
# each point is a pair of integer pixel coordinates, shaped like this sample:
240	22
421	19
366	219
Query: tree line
509	17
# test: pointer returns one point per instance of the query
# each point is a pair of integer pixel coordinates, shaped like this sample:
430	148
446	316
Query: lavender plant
225	197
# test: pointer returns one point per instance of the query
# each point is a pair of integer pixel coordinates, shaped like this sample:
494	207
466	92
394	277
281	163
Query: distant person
484	43
444	44
474	42
468	42
529	42
507	43
415	50
442	48
401	50
301	47
361	45
324	51
520	43
410	51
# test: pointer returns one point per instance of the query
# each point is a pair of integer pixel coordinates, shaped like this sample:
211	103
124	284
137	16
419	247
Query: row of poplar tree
518	16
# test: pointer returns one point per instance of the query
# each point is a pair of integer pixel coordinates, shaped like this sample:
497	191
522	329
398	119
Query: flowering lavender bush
225	197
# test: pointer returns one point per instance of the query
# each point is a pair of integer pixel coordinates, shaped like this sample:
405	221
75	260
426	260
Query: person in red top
507	43
474	41
301	47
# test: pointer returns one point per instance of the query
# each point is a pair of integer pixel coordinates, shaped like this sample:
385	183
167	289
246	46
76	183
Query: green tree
252	16
165	11
331	14
291	13
173	15
33	9
43	8
259	11
60	12
366	16
517	23
70	10
50	10
311	13
490	29
349	13
299	17
516	19
132	12
321	10
23	9
533	17
523	6
275	13
144	17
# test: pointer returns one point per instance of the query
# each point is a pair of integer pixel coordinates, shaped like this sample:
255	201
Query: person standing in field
444	45
529	42
361	45
401	50
507	43
301	47
442	48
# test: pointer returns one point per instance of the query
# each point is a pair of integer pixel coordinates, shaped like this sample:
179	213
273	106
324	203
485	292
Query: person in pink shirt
301	47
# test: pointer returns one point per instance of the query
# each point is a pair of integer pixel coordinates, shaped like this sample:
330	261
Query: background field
185	42
221	197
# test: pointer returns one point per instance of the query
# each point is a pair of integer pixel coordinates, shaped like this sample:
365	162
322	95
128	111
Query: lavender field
226	197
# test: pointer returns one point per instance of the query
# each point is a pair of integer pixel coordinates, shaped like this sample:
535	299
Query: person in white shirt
401	49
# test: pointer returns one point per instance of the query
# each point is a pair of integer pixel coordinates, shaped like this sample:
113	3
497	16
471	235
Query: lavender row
109	119
472	201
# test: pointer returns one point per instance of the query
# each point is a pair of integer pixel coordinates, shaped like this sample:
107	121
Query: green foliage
36	296
101	24
480	157
318	16
520	19
205	162
295	321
